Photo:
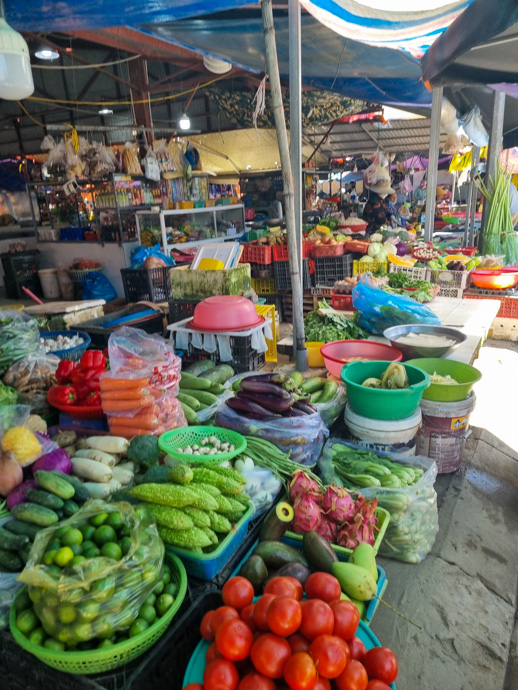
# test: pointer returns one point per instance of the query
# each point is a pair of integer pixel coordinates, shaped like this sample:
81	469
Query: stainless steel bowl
413	351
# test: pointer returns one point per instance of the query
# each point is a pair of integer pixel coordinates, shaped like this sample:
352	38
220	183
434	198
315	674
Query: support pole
493	154
469	230
272	67
433	162
140	92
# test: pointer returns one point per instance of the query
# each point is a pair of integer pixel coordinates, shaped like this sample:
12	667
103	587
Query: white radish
98	490
108	444
123	476
98	455
91	469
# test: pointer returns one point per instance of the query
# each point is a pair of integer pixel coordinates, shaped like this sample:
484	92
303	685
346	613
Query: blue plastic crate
72	234
82	424
205	566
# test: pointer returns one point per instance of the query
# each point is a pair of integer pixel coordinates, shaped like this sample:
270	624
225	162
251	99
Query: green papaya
364	556
356	582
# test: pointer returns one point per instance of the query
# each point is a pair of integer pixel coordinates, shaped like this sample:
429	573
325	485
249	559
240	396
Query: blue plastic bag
97	286
380	310
140	254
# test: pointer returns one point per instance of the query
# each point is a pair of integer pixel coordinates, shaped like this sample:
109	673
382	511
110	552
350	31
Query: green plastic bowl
383	404
466	375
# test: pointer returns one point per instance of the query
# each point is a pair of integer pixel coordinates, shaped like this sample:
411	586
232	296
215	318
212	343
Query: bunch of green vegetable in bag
399	283
325	325
201	387
19	337
8	395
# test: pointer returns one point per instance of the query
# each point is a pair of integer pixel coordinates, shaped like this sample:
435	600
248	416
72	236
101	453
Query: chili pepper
91	377
92	359
81	386
65	395
64	371
93	399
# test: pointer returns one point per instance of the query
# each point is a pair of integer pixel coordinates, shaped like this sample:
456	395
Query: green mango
359	605
364	556
355	581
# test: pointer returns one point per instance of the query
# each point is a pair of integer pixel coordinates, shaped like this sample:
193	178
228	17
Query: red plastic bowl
225	313
342	352
78	411
494	280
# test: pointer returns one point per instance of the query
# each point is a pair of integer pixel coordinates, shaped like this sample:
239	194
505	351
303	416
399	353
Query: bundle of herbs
421	290
499	234
326	325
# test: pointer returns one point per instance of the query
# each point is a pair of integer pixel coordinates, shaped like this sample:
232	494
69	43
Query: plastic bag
56	164
9	587
151	167
380	310
163	154
19	337
74	163
97	286
101	595
140	254
8	395
130	158
302	437
332	410
473	127
414	521
32	377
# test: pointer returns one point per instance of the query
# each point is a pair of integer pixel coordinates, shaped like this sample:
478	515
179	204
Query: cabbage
366	259
401	249
382	256
374	248
377	237
389	248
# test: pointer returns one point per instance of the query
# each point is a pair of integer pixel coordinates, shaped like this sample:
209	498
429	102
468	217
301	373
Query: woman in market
376	212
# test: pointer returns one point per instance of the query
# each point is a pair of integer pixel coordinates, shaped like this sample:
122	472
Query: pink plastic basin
225	313
494	280
344	351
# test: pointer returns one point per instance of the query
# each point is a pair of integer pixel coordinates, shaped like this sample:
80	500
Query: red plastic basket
281	252
466	251
325	250
342	302
254	253
78	411
360	246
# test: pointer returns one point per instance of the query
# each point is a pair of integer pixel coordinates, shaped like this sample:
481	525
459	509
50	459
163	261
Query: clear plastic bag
332	410
19	337
302	437
414	521
163	155
9	587
100	596
32	377
130	158
380	310
56	164
13	415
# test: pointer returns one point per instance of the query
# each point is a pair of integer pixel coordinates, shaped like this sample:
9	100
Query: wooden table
472	317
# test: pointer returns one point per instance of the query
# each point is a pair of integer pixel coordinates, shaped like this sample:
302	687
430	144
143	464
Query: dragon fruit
307	514
301	484
327	529
362	527
338	504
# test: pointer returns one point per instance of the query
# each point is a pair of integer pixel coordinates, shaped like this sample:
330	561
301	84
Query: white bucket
394	436
49	283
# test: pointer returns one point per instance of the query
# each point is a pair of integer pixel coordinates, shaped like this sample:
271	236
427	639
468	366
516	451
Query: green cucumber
55	484
329	392
275	554
35	514
12	542
70	508
220	374
254	569
10	561
204	397
190	414
297	379
81	492
25	528
319	552
44	498
315	397
199	368
189	400
194	383
313	385
217	389
24	552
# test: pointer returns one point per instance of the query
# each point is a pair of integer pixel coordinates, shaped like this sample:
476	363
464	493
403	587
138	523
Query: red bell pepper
92	377
93	399
92	359
81	386
65	395
65	370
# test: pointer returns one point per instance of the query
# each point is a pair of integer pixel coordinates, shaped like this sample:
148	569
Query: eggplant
249	408
270	402
281	379
264	388
295	412
304	408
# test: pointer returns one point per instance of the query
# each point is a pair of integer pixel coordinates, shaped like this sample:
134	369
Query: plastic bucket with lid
49	283
394	436
444	431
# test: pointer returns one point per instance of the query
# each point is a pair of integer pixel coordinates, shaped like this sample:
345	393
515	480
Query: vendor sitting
376	212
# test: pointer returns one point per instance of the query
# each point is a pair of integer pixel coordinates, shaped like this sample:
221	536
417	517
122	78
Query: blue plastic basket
205	566
74	353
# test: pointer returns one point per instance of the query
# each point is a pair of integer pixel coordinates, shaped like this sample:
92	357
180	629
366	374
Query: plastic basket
343	302
149	285
181	309
78	411
451	292
205	566
281	252
368	266
254	253
100	660
21	268
411	271
331	269
72	234
450	279
282	275
261	271
187	436
77	276
343	553
326	250
467	251
264	287
73	353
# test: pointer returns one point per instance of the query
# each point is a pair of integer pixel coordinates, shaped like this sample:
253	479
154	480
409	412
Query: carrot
125	405
149	410
127	432
149	422
108	383
126	394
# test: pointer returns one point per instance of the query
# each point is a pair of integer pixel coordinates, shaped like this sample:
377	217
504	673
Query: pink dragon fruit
327	529
301	484
307	514
338	504
360	530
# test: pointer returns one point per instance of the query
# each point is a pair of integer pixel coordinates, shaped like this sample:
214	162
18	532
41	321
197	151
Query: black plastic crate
332	268
181	309
261	271
276	300
282	275
21	269
100	335
146	284
244	358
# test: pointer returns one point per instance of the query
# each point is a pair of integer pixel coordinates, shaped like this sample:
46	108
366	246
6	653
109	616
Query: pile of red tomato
285	642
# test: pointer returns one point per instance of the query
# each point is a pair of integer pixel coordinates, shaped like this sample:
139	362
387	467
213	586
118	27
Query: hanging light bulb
184	122
105	111
15	65
45	52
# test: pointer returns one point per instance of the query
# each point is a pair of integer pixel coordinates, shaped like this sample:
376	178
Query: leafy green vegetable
8	395
329	326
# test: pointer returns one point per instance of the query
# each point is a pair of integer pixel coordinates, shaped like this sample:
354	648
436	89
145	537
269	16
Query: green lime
26	621
159	588
171	588
77	549
22	601
104	644
77	560
54	645
51	600
138	627
63	556
143	514
87	531
48	557
147	613
89	610
104	534
166	577
116	603
164	603
98	520
150	601
35	594
72	537
126	545
56	569
67	613
103	589
126	617
83	632
149	574
74	596
61	531
126	531
140	555
48	618
103	629
132	579
115	520
54	545
66	635
92	552
87	544
111	550
37	636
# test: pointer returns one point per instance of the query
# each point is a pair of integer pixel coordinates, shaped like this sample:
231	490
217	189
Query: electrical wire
101	64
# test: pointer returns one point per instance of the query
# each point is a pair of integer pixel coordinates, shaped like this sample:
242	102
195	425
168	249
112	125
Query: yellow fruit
23	444
400	261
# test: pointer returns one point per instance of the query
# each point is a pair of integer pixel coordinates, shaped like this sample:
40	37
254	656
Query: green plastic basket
101	660
187	436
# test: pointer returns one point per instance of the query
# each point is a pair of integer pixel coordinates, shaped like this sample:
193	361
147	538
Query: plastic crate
268	312
276	301
283	278
21	269
254	253
343	302
330	269
261	271
244	357
181	309
308	304
452	292
323	291
327	250
205	566
450	279
412	272
72	234
368	266
264	287
281	253
100	334
146	284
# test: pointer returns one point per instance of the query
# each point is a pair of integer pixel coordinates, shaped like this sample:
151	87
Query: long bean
266	454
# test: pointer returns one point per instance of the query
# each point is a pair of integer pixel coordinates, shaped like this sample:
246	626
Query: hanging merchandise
130	158
163	155
56	166
151	167
74	163
473	126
